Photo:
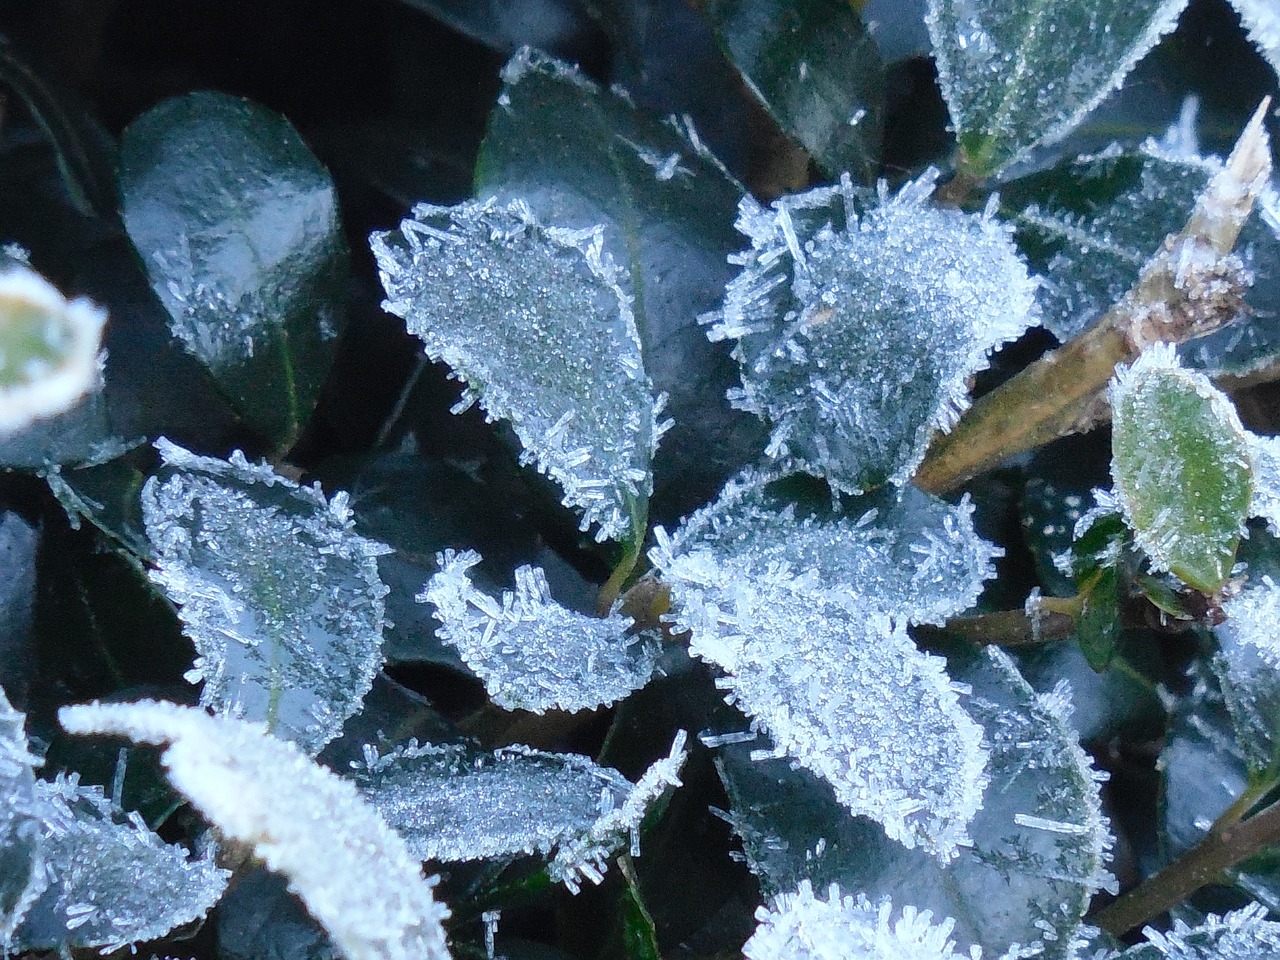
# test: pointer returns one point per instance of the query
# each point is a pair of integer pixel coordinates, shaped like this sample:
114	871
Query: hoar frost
22	876
531	652
536	322
859	318
282	599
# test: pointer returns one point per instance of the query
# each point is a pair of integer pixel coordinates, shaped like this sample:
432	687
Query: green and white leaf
280	596
801	926
858	319
1038	846
453	802
1248	667
111	881
354	873
536	322
1182	467
531	652
1241	935
22	852
1017	76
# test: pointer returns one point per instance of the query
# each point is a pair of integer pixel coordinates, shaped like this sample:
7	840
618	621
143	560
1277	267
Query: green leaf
639	935
281	598
1039	842
108	495
1098	626
1242	934
665	207
1016	76
1182	468
352	871
236	223
1248	669
816	69
536	321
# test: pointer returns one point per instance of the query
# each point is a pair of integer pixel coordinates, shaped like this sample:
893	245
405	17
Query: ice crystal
452	802
353	872
532	653
1019	75
536	322
1261	19
22	854
801	926
1039	842
111	881
859	319
1248	665
1265	458
281	598
1241	935
1182	467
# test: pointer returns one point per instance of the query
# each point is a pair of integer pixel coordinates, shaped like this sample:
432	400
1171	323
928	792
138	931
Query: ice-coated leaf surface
531	652
1039	843
1265	459
803	926
453	802
1241	935
353	872
902	553
1089	225
280	596
536	321
1019	75
666	210
1261	19
859	319
112	881
1248	667
1182	467
22	856
817	70
50	348
236	222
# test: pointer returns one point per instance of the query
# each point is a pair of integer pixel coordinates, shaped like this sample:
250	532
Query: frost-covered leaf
19	545
531	652
859	319
1248	666
903	553
280	596
453	802
236	223
112	882
802	926
815	67
353	872
1182	467
1265	459
22	855
1261	19
50	349
1039	843
536	321
665	207
1242	935
1090	223
1019	75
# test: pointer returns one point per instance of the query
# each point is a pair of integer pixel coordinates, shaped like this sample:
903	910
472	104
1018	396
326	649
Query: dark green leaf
236	223
817	71
108	496
1098	626
640	939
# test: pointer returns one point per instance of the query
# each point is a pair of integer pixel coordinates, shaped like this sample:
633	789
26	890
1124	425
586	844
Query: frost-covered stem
1059	393
1012	628
1201	865
957	191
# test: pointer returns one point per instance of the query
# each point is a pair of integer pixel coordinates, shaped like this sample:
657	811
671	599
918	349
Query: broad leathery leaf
1248	668
1089	225
236	223
22	853
859	318
1016	76
531	652
1039	842
112	882
801	926
536	322
280	596
453	802
1182	468
665	207
815	67
902	553
1241	935
50	349
353	872
846	694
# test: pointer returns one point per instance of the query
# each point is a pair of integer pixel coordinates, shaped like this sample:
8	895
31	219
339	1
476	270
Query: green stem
612	589
1012	628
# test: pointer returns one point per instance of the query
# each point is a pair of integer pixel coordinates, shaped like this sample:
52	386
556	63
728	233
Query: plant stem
1011	628
1201	865
1179	295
